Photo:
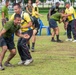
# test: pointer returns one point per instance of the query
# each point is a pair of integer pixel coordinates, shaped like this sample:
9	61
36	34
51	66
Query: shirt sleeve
27	17
12	17
35	8
72	10
18	28
52	8
7	26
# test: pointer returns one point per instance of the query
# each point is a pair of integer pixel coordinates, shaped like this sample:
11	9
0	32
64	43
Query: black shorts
9	42
2	42
36	22
52	23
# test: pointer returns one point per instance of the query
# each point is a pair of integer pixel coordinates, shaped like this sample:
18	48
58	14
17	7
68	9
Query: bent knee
13	52
4	48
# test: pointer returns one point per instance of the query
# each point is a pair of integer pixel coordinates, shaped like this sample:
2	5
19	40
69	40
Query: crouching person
6	41
53	24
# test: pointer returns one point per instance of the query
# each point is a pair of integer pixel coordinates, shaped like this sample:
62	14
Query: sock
33	44
52	38
57	36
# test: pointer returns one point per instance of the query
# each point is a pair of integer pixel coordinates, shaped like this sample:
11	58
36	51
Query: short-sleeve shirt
10	28
5	10
24	22
54	9
70	11
12	17
56	16
34	10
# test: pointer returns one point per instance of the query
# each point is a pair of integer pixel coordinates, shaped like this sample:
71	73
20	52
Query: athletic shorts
36	22
52	23
7	42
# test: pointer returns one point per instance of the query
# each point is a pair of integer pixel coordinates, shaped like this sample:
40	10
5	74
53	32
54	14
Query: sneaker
21	62
7	64
28	61
2	68
53	40
60	41
74	41
32	50
68	39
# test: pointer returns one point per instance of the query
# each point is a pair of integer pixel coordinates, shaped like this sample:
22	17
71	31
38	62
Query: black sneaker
60	41
32	50
7	64
2	68
53	40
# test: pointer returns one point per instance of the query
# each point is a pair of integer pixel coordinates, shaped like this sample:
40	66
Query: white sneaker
1	67
28	61
21	62
68	39
74	41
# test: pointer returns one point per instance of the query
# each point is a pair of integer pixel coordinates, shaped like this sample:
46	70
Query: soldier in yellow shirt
35	15
26	28
71	25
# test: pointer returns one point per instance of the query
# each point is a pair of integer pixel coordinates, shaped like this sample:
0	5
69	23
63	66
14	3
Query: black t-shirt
54	9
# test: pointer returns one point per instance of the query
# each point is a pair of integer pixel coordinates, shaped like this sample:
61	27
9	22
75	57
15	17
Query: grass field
49	58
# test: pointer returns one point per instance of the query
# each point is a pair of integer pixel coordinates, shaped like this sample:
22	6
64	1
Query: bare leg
53	34
2	54
11	55
33	39
57	30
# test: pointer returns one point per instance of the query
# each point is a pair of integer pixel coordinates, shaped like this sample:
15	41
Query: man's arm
2	32
26	36
38	14
51	9
49	13
65	15
3	17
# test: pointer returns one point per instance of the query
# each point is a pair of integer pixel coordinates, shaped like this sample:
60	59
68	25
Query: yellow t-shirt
71	11
12	17
25	23
34	10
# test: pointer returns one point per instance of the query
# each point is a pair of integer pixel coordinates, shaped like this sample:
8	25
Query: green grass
49	58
